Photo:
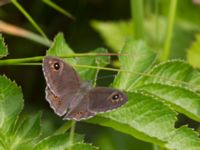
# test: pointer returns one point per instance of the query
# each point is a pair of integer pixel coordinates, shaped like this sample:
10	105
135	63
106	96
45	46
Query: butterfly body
72	98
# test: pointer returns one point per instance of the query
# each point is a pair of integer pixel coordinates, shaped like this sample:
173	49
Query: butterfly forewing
62	83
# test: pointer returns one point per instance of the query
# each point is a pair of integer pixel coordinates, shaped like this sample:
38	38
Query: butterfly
73	98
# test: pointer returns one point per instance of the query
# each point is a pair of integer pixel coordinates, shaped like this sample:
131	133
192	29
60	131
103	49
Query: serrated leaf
3	47
139	57
173	72
114	33
58	142
60	47
87	73
193	53
29	129
11	104
143	117
181	99
184	138
83	146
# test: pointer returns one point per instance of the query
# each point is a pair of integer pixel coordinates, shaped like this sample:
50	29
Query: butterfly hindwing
102	99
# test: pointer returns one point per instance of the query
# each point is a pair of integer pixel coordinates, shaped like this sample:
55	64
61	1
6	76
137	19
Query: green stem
71	135
65	127
137	16
120	70
39	58
58	8
172	13
137	73
157	23
20	60
30	19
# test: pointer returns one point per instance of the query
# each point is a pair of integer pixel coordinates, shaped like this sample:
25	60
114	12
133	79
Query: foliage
149	115
23	133
159	94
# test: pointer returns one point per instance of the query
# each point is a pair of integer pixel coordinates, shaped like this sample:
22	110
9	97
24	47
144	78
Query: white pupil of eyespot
56	66
115	96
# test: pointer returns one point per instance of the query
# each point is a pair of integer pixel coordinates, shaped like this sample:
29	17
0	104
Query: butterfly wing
102	99
62	83
67	94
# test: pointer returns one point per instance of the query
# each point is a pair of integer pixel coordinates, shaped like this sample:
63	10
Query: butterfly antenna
107	76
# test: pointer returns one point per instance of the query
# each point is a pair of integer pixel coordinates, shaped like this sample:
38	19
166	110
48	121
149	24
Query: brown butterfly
72	98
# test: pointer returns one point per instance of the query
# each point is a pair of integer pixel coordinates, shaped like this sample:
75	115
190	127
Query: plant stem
30	19
58	8
137	16
20	60
157	23
172	13
118	70
17	31
39	58
65	127
71	135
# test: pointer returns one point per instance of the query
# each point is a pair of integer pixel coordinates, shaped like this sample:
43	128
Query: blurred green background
98	23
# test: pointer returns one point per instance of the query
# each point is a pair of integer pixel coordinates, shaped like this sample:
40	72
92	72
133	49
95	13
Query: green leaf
114	33
58	142
173	72
87	73
60	47
182	100
29	129
3	47
83	146
138	59
143	116
184	138
11	104
193	53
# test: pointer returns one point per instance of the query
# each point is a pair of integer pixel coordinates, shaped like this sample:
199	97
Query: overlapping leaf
150	113
174	72
184	138
181	99
143	117
137	59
